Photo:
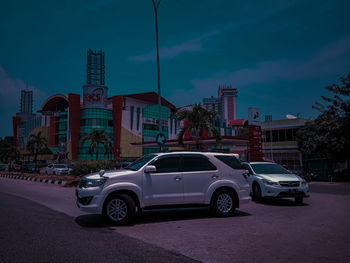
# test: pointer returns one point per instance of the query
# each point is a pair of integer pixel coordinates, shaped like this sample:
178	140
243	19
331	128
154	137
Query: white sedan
58	169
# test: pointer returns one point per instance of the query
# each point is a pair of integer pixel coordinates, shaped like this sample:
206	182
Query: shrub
85	167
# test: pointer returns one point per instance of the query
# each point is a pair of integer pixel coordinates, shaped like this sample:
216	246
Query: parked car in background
15	166
58	169
30	168
166	179
272	180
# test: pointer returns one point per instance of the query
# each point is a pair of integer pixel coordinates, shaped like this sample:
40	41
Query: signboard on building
255	135
254	116
95	96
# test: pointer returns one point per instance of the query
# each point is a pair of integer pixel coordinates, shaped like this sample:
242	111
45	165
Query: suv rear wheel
223	203
119	209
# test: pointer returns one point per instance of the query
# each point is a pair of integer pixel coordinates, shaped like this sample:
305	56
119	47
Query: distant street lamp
156	5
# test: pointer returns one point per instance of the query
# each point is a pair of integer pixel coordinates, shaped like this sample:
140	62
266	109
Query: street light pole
155	6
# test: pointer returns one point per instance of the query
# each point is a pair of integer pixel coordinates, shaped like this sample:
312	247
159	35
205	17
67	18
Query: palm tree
36	143
97	137
199	121
109	147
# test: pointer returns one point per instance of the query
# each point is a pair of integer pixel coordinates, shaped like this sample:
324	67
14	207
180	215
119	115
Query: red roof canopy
240	122
151	97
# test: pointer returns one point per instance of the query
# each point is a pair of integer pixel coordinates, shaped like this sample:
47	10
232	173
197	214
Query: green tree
328	135
199	119
36	143
97	138
7	152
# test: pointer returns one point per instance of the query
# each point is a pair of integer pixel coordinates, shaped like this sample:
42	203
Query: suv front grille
289	183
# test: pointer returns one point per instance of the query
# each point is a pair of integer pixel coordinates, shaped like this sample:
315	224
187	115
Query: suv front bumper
89	202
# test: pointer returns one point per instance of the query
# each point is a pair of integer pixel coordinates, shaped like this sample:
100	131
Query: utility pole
156	5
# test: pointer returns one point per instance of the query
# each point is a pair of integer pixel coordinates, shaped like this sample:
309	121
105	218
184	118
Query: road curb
34	179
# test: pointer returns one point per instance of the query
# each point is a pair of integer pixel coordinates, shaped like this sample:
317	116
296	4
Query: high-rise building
26	101
225	105
228	103
211	103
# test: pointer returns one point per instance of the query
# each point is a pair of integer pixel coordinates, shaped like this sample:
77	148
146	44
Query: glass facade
95	119
25	128
62	127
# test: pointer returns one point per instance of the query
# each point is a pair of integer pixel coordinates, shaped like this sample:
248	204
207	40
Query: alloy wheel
117	209
224	203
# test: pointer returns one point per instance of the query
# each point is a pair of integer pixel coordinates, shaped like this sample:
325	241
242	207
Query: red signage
255	144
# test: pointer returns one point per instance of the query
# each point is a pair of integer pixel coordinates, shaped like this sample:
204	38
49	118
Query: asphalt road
275	231
34	233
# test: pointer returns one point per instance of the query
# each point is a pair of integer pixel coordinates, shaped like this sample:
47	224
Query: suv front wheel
223	203
119	209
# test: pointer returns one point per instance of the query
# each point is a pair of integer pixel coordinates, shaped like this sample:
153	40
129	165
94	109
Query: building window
138	118
131	117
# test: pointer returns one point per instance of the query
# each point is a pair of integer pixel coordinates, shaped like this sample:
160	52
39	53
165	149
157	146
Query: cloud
326	61
193	45
330	60
10	94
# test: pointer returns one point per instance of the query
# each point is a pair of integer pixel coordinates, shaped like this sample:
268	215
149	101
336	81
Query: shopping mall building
130	121
65	119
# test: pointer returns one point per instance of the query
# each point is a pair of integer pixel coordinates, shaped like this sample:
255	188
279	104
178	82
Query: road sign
160	139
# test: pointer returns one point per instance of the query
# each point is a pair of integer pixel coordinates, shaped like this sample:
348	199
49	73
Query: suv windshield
135	166
269	168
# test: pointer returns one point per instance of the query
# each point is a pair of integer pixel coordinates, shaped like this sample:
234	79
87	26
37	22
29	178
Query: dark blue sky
279	54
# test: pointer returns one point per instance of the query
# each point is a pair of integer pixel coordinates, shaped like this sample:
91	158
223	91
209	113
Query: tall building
26	101
225	106
228	103
211	103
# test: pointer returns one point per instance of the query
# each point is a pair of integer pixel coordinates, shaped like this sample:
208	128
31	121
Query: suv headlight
85	183
269	182
303	182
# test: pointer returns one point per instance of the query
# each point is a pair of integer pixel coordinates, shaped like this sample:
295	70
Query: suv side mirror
150	169
246	174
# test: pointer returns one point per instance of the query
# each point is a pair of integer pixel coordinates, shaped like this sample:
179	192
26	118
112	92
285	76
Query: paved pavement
275	231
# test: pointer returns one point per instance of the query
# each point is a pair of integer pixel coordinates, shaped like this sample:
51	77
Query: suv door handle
177	178
214	176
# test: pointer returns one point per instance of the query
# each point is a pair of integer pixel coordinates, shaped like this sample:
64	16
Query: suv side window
230	161
167	165
193	163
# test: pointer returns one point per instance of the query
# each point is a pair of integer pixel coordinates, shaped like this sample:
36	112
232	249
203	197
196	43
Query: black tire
223	203
257	193
119	209
299	200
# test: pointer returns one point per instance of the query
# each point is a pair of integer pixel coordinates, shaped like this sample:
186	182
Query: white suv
272	180
162	179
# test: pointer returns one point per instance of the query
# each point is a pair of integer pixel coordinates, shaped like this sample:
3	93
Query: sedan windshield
60	166
135	166
269	168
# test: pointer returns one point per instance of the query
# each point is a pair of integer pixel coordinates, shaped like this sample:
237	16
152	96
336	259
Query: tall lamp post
156	5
